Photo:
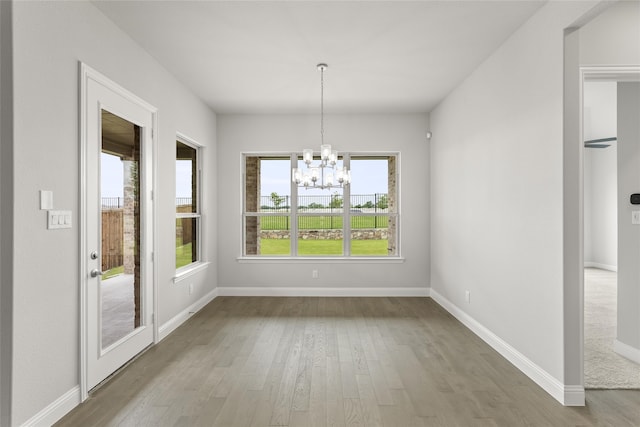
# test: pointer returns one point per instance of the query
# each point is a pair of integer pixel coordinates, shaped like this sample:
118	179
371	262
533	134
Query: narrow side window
188	205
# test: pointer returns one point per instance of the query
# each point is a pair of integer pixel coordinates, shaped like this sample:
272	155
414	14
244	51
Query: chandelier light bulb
333	158
325	152
307	156
329	179
297	175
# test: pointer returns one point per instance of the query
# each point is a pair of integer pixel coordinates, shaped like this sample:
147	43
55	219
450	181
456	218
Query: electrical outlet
190	288
467	296
314	274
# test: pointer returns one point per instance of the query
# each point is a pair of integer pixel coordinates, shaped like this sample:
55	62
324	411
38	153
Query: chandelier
326	174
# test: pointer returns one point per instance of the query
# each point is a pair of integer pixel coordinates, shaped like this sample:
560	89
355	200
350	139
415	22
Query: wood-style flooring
256	361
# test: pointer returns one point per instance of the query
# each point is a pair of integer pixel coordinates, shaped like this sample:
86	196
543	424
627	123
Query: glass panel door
120	228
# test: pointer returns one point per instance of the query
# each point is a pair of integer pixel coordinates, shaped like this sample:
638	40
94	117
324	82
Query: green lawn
113	272
323	247
183	255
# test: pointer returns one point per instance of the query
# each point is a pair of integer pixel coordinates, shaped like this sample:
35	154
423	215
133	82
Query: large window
282	219
188	205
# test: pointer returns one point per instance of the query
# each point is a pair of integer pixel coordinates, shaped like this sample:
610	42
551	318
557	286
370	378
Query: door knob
95	272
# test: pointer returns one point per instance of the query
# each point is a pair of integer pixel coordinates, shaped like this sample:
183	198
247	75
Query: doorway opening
605	224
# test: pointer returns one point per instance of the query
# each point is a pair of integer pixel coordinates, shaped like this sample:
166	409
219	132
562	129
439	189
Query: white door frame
593	73
87	74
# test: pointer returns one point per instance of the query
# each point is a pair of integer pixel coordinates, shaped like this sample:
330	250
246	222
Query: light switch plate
58	219
635	217
46	199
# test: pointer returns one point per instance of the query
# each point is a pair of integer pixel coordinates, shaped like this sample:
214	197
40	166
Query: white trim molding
574	395
190	270
253	291
55	410
568	395
185	314
627	351
320	260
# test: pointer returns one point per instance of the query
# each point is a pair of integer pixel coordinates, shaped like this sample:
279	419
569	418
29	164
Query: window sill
320	260
189	271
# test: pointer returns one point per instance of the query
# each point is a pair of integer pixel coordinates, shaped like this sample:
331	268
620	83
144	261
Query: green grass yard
183	257
323	247
113	272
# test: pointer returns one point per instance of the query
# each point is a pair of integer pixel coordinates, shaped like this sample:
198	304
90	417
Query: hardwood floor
257	361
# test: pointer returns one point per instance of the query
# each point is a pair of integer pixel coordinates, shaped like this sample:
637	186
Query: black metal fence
112	203
327	203
326	210
118	202
331	204
183	201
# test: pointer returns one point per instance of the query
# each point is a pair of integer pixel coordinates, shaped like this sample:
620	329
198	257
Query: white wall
613	37
497	196
353	133
628	233
6	216
600	177
49	40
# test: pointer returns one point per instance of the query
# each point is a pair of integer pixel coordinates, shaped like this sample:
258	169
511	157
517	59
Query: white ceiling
260	57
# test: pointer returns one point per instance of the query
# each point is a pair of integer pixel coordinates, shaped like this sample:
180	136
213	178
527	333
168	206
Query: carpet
603	368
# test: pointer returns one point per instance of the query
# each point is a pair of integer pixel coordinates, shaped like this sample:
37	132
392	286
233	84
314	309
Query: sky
368	177
112	177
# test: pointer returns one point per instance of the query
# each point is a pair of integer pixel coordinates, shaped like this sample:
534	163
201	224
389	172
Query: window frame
200	263
294	213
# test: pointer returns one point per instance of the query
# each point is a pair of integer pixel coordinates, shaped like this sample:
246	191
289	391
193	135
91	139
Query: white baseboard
627	351
56	410
591	264
253	291
574	395
568	395
181	317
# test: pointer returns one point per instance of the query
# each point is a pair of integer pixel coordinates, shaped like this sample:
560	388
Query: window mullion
293	210
346	211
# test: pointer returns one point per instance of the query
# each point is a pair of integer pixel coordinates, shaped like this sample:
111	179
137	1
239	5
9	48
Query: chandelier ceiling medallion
326	174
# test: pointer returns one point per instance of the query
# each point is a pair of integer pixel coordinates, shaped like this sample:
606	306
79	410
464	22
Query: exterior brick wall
252	196
392	197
